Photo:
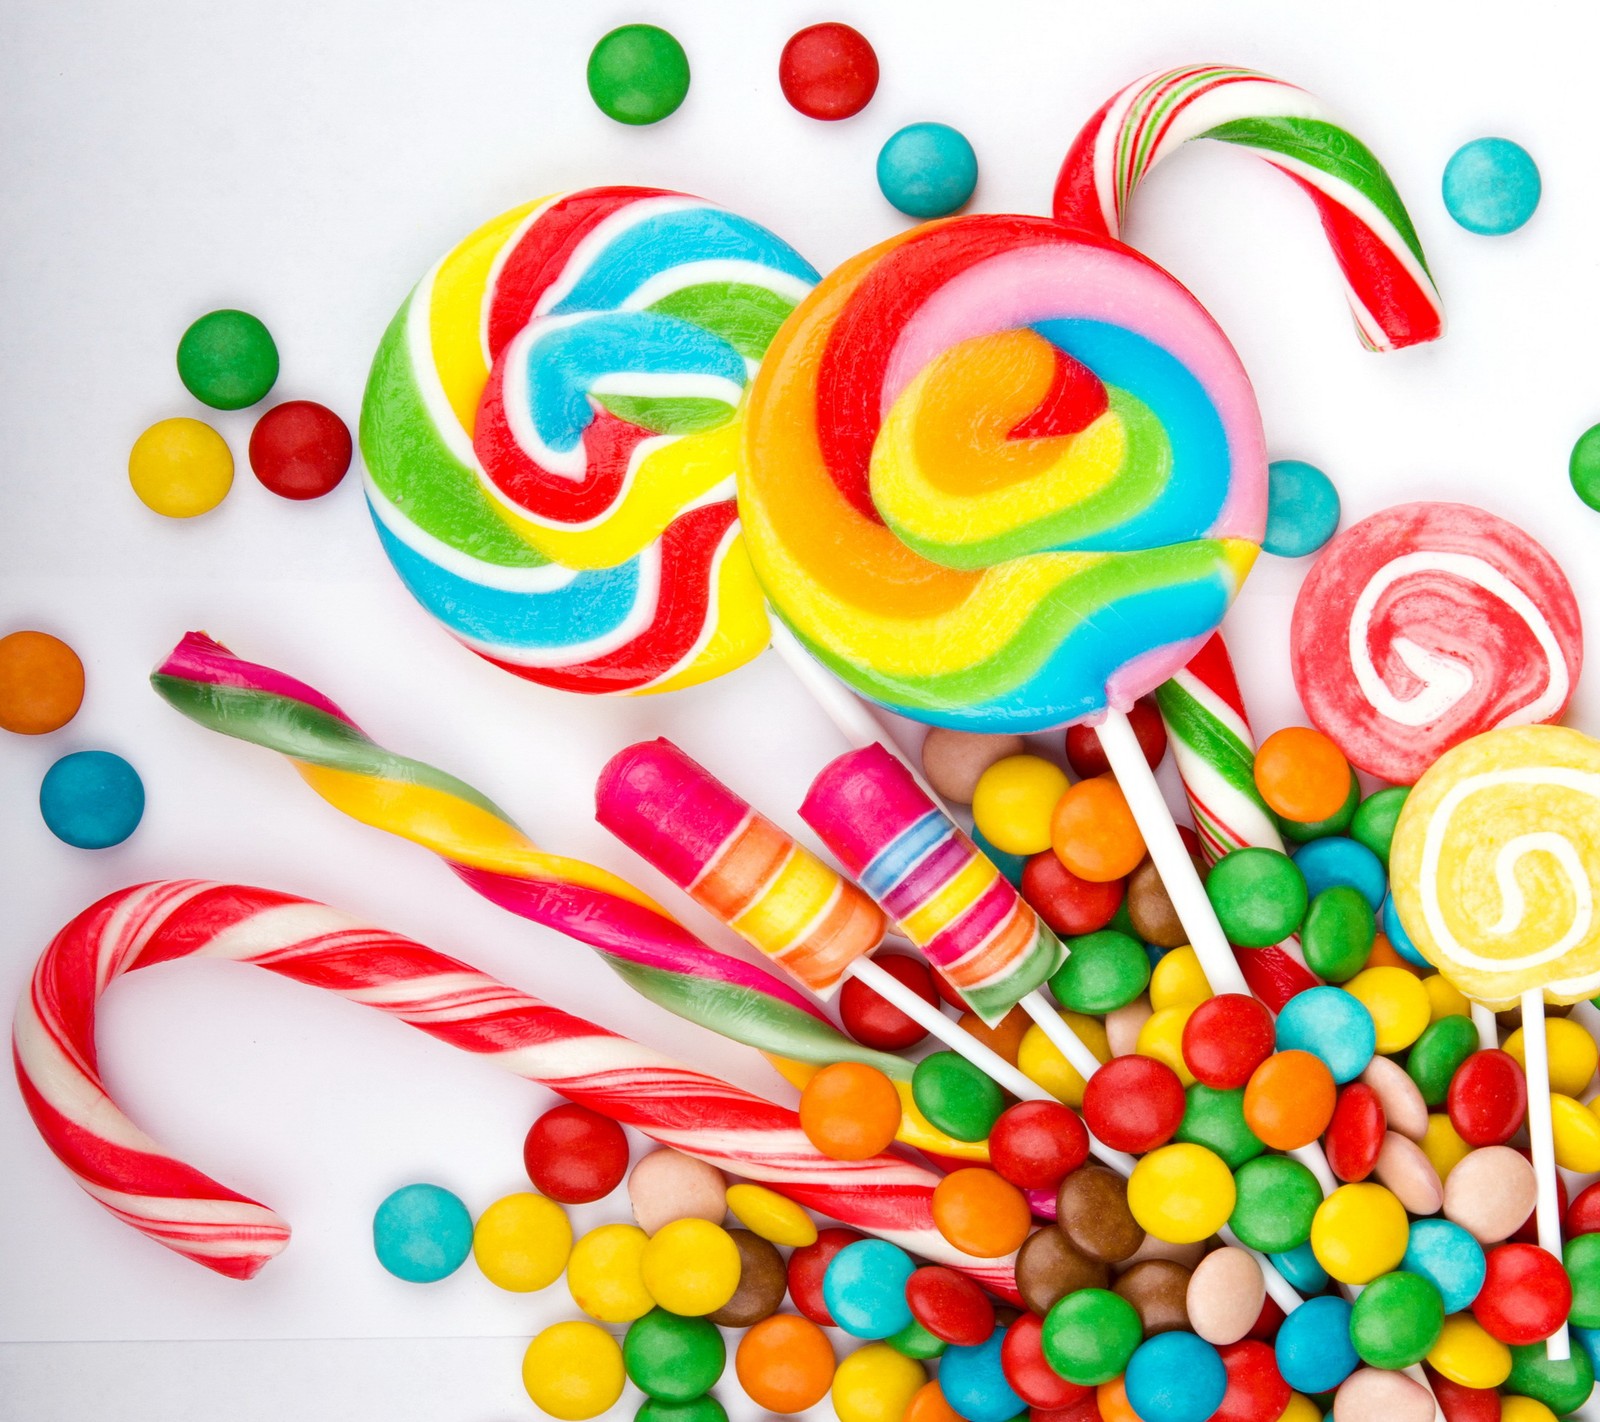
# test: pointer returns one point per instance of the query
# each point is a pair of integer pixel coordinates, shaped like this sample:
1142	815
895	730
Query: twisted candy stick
550	429
178	1206
1391	293
653	953
1215	753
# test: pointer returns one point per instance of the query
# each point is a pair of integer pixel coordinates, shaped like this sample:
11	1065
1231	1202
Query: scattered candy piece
91	799
785	1364
667	1185
927	170
1181	1193
228	360
603	1274
770	1215
1090	1335
956	1096
673	1358
1013	800
1049	1267
973	1380
1094	833
850	1111
180	468
690	1266
808	1267
828	71
763	1281
1277	1199
422	1233
1301	774
1302	509
1175	1377
300	449
1158	1290
1259	896
980	1212
573	1371
1491	186
876	1384
41	683
1225	1294
873	1020
575	1155
1133	1104
638	74
864	1288
1313	1345
1226	1038
1583	468
522	1242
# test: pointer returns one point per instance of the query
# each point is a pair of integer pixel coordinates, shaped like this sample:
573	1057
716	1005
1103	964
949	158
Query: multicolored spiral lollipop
550	429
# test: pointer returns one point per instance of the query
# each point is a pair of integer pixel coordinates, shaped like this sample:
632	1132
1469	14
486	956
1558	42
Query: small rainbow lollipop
1494	869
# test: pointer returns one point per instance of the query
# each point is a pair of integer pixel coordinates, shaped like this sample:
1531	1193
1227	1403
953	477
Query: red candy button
1526	1294
1355	1134
950	1306
575	1155
1134	1103
1226	1038
1584	1216
1071	906
1267	1323
1463	1404
300	450
828	71
1488	1098
1088	759
876	1022
1256	1389
1035	1144
1031	1378
809	1263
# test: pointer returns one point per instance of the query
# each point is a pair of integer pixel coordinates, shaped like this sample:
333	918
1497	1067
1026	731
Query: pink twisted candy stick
184	1209
1215	753
1391	293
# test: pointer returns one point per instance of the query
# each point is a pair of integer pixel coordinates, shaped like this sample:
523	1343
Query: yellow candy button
1014	800
1444	1000
772	1216
603	1274
1573	1054
1577	1135
1467	1354
573	1371
180	468
1359	1232
1443	1145
691	1267
1178	981
1300	1409
1181	1193
1161	1037
1041	1061
876	1384
1524	1409
1399	1004
522	1242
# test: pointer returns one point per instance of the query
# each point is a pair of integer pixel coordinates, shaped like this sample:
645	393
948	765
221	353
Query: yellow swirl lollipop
1495	863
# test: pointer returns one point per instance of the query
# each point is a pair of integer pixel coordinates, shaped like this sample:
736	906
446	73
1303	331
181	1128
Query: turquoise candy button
1491	186
927	170
422	1233
91	799
1331	1024
1302	509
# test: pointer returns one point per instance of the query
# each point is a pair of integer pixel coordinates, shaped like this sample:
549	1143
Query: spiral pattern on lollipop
1391	293
999	475
550	429
177	1205
1495	865
1428	623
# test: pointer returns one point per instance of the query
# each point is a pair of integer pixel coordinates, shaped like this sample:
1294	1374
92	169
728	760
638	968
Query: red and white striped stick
184	1209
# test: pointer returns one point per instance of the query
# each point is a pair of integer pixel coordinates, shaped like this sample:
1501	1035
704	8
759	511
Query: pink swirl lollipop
1427	624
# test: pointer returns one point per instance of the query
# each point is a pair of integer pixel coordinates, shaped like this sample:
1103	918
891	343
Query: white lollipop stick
1547	1210
1483	1020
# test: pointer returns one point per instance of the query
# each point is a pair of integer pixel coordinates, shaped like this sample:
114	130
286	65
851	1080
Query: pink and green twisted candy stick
1390	290
650	950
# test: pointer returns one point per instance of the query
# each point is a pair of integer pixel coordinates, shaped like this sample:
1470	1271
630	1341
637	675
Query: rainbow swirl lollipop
550	429
1002	475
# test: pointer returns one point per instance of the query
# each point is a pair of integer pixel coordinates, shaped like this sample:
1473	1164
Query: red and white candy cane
1392	295
184	1209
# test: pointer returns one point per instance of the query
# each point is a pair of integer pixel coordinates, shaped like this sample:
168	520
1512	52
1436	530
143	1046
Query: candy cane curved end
1391	292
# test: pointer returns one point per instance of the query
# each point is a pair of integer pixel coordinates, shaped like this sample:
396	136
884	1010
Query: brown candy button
763	1280
1049	1268
1153	915
1490	1193
953	760
1157	1289
1092	1211
1187	1255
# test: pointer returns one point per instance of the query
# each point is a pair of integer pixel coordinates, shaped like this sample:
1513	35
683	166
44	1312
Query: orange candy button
1289	1100
929	1405
41	683
1302	775
980	1212
785	1364
850	1111
1093	831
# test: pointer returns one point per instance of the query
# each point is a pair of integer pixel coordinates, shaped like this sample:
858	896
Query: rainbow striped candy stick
181	1207
636	937
737	865
1215	753
932	880
1391	292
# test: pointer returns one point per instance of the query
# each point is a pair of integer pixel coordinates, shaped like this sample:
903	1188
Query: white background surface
307	161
